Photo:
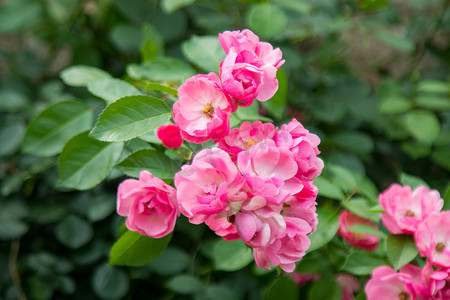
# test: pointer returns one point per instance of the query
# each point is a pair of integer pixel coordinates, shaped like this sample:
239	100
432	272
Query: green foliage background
370	77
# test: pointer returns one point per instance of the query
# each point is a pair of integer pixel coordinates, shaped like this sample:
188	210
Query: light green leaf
434	86
153	161
266	20
110	283
423	126
82	75
361	228
85	162
130	117
51	129
126	38
231	255
282	288
326	229
362	263
12	100
362	208
74	232
412	181
277	105
185	284
326	288
204	51
433	102
19	15
135	250
394	105
302	7
343	178
13	133
166	69
400	249
161	87
111	89
328	189
169	6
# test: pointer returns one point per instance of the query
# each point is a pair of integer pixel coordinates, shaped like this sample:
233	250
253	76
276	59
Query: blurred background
370	77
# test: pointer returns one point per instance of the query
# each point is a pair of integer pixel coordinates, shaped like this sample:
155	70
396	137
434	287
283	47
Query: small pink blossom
433	239
150	205
405	210
304	146
245	137
435	283
203	109
349	286
206	185
303	278
222	227
286	250
170	135
364	241
385	283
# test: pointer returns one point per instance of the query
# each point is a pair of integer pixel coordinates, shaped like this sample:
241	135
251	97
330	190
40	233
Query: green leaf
166	69
153	161
12	100
400	249
354	141
161	88
12	132
231	255
82	75
328	189
362	208
135	250
51	129
74	232
370	5
395	41
423	126
204	52
326	288
185	284
110	283
101	207
301	7
169	6
111	89
441	156
412	181
434	86
395	105
85	162
326	229
343	178
266	20
433	102
277	105
11	228
361	228
130	117
171	262
362	263
126	38
19	15
282	288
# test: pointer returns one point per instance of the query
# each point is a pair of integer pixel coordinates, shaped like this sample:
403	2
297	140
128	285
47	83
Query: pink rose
303	145
385	283
246	82
433	239
150	205
170	135
435	283
203	109
349	286
245	137
222	227
286	250
206	185
364	241
405	210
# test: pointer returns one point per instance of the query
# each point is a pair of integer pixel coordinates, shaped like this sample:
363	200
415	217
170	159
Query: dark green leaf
133	249
12	133
185	284
326	288
412	181
326	229
266	20
354	141
172	261
395	41
12	228
110	283
395	105
19	15
111	89
282	288
231	256
166	69
362	263
442	157
400	249
169	6
204	51
74	232
51	129
82	75
85	162
130	117
101	207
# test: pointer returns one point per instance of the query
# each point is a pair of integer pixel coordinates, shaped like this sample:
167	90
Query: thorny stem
15	276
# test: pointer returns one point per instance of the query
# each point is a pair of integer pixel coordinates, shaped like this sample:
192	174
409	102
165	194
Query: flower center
208	110
403	296
439	247
410	214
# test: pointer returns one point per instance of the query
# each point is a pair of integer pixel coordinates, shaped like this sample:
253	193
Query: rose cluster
256	185
416	212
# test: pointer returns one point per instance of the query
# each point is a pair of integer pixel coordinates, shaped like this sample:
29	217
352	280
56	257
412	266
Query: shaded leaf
400	249
185	284
266	20
231	255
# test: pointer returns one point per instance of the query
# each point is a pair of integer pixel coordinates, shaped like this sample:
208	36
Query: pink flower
364	241
433	239
286	250
405	210
435	283
303	278
203	109
205	187
246	136
250	49
150	205
303	145
349	286
388	284
246	82
170	135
